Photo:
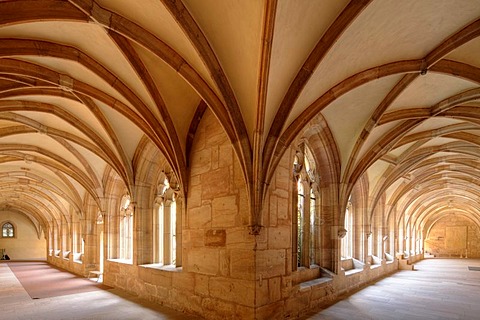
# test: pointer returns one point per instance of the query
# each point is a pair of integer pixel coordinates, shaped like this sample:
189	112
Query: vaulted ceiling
83	82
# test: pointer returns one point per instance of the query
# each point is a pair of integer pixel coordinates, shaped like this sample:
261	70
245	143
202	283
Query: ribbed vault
390	87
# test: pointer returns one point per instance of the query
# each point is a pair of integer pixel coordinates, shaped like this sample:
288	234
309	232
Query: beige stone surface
204	261
233	290
271	263
466	239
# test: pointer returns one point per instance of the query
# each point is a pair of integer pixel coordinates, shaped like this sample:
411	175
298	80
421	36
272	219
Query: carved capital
342	232
255	229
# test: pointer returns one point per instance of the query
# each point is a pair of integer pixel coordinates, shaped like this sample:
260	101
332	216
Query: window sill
312	266
78	261
315	283
310	276
352	272
157	266
122	261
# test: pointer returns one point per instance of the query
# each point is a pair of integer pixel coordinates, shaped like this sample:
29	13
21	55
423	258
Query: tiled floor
15	303
437	289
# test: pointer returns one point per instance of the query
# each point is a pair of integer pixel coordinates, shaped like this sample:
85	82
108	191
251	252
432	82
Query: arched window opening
173	232
347	240
407	241
126	229
8	231
313	205
306	230
165	221
370	243
300	222
413	240
159	231
419	241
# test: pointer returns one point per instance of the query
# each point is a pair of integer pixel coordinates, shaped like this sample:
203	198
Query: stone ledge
157	266
312	284
352	271
122	261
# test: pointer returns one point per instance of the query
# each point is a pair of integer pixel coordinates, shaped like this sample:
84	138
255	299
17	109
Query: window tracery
165	222
306	227
8	230
126	228
347	239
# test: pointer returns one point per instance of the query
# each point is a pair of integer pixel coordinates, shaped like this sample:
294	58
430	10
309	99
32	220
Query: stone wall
26	245
226	271
217	246
284	293
217	276
454	236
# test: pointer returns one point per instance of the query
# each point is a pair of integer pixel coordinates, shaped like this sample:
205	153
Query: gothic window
306	234
300	222
126	229
8	231
408	240
347	240
165	224
369	243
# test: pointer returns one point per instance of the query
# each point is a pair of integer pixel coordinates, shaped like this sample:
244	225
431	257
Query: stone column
179	228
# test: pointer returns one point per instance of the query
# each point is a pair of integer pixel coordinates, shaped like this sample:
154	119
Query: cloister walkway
16	304
437	289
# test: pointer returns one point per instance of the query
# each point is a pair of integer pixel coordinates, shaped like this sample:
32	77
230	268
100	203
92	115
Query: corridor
101	304
437	289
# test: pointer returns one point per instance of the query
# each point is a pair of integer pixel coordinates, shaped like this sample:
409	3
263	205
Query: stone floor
437	289
15	303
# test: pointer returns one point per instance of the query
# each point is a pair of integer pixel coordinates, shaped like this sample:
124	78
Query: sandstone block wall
454	236
226	272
